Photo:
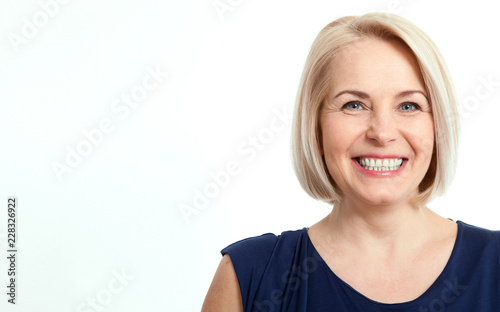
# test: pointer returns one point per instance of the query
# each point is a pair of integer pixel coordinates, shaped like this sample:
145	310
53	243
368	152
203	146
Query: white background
119	209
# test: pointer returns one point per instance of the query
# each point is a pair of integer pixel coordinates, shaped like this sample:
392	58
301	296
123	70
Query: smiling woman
375	134
376	121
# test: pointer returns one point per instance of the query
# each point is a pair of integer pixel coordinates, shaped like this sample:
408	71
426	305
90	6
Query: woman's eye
409	107
353	106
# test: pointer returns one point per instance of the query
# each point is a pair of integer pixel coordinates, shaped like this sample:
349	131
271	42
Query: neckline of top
435	284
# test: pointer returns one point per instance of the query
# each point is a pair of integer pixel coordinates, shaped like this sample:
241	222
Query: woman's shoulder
260	248
478	233
263	255
479	241
264	242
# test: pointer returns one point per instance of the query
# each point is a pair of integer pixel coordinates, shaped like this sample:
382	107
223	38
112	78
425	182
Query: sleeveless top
286	273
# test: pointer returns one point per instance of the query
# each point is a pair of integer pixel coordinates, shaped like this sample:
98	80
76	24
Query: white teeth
381	164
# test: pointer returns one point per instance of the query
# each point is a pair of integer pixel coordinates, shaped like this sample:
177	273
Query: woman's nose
382	128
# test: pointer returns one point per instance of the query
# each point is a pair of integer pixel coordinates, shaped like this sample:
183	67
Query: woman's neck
384	230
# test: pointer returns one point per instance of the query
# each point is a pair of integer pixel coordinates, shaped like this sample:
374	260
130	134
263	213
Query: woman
375	134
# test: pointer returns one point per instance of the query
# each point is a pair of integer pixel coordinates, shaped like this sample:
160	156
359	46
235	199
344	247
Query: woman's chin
381	194
380	199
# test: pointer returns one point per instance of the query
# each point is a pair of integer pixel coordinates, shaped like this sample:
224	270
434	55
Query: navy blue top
286	273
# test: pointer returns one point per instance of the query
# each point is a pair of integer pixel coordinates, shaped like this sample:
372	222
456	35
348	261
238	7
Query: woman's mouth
380	164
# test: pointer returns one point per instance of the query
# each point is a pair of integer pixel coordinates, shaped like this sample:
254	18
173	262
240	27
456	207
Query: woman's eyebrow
410	92
364	95
360	94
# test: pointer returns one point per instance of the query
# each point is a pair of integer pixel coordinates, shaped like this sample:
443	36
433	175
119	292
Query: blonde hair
315	84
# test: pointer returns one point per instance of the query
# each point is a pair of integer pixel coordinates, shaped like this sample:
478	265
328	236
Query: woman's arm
224	292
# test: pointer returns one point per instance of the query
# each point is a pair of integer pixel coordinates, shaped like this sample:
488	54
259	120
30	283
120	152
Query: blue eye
353	106
409	107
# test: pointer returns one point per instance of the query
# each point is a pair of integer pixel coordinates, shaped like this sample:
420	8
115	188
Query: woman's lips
380	167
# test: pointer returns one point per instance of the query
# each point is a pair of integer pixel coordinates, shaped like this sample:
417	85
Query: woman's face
377	130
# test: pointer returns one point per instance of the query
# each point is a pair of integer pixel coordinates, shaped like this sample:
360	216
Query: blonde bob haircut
315	84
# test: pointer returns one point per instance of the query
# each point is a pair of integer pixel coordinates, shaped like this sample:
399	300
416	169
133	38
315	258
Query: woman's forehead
377	65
